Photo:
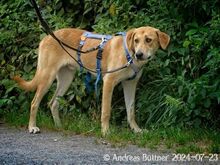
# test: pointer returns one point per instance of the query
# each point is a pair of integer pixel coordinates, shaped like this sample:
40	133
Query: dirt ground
17	146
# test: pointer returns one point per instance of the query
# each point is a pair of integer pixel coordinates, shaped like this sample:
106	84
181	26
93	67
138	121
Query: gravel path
19	147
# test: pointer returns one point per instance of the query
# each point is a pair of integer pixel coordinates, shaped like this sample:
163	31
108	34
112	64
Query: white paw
145	130
138	130
105	132
34	130
58	124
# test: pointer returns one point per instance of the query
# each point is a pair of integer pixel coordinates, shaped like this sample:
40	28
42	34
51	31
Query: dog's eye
148	40
136	40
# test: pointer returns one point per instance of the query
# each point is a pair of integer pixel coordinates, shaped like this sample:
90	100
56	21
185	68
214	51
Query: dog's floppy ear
164	39
130	40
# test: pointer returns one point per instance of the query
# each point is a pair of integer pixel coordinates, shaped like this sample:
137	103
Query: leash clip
129	62
103	40
101	45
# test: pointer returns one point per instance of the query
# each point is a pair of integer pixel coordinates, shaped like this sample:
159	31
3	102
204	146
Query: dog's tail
26	85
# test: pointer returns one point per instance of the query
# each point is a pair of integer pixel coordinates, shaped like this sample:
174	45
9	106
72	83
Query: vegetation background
180	88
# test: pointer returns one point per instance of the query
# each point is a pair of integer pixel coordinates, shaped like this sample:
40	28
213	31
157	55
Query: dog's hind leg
44	83
64	78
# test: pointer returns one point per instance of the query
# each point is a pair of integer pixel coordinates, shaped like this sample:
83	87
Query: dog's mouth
150	58
142	58
149	55
139	58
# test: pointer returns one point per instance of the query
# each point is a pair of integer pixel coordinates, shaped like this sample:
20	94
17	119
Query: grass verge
169	139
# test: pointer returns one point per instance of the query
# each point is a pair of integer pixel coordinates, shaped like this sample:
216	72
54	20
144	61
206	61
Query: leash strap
63	45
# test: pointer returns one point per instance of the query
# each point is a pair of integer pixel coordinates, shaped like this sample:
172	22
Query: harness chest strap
98	61
104	39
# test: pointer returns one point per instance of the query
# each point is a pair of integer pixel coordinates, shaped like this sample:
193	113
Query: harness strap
97	36
81	44
127	54
100	47
87	81
98	61
129	58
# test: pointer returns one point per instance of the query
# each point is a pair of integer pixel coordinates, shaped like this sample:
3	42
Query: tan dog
54	62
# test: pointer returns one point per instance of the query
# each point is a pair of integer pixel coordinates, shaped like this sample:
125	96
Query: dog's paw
145	130
141	131
105	132
58	125
138	130
34	130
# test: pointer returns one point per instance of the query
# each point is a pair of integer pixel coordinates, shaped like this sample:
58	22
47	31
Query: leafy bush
185	89
181	87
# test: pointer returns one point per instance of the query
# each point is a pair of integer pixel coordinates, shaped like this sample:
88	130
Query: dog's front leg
108	87
129	88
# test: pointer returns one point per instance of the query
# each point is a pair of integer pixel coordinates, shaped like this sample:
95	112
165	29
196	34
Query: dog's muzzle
139	55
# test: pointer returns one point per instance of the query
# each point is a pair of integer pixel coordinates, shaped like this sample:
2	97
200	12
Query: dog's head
143	42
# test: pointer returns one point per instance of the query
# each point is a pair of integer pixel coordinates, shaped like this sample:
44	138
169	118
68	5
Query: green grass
169	139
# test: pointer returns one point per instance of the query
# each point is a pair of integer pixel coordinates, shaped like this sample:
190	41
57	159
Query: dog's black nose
139	55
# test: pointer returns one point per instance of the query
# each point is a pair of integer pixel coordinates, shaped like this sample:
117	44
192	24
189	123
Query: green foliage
181	87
